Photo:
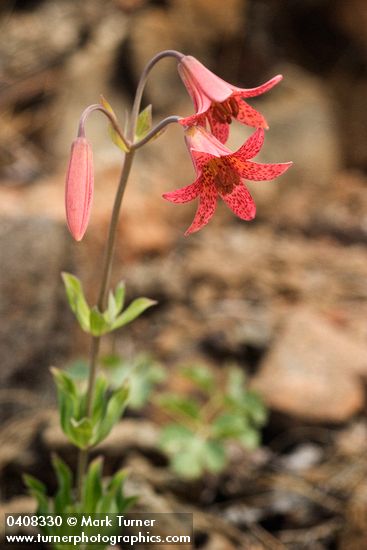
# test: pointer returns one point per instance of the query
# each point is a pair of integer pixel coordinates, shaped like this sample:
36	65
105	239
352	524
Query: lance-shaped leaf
113	134
115	302
38	490
144	123
63	497
76	299
68	399
92	487
136	308
114	410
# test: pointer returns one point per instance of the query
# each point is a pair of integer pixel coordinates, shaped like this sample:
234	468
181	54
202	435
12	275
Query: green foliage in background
196	441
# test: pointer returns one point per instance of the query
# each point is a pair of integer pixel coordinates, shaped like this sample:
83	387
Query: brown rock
311	371
33	252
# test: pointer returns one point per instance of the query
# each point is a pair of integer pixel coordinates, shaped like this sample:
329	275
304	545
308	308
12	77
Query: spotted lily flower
219	173
79	187
218	102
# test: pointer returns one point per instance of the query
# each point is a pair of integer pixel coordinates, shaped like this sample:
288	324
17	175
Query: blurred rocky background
284	297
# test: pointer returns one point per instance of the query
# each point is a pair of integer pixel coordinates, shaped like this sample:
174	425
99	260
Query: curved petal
262	172
201	101
208	84
185	194
200	159
251	147
241	202
248	115
206	209
220	130
253	92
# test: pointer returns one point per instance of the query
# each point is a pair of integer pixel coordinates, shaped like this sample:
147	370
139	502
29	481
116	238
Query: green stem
107	266
106	275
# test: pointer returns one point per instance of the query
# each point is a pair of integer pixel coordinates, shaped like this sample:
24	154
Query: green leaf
38	490
81	431
33	484
99	399
190	461
78	369
98	323
92	487
68	399
63	497
113	134
111	312
115	408
178	404
229	426
120	295
201	376
186	465
250	439
136	308
76	299
108	502
174	437
256	409
214	456
236	384
144	123
64	382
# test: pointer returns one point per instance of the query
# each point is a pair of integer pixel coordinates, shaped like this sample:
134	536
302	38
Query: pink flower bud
79	187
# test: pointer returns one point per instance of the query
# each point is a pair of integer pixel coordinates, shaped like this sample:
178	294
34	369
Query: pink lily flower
218	102
219	173
79	187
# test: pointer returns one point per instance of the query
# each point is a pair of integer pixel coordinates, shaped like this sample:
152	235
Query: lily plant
89	410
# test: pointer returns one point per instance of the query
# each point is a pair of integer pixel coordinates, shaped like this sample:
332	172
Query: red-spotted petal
248	115
185	194
241	202
260	172
220	130
193	120
253	92
200	159
206	209
251	147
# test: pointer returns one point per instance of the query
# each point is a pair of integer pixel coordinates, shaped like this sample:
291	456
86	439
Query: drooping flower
219	173
218	102
79	187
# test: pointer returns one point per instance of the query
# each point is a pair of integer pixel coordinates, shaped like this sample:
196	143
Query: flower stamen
224	175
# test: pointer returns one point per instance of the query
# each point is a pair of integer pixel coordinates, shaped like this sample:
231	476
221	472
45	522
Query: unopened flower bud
79	187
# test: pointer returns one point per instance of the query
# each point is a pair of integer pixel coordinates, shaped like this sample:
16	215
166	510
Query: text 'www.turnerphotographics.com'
75	529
